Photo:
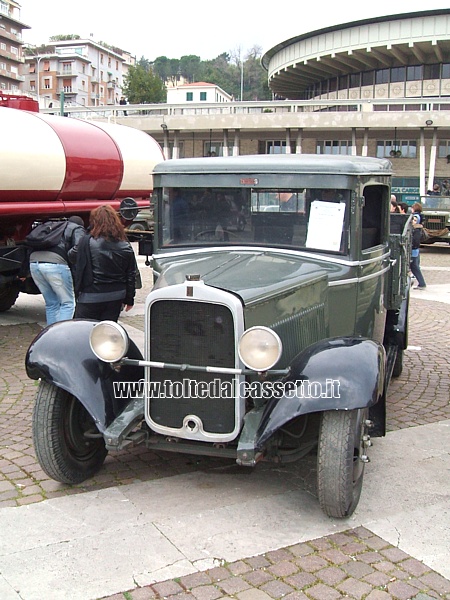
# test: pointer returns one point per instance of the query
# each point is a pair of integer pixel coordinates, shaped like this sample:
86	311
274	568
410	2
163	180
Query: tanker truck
52	167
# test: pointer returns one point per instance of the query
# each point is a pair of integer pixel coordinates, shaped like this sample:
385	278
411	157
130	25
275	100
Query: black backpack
46	235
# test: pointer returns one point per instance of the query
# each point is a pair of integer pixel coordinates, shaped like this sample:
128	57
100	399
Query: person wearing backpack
105	276
415	251
51	270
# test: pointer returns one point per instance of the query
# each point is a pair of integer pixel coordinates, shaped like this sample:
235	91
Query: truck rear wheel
68	445
340	468
8	296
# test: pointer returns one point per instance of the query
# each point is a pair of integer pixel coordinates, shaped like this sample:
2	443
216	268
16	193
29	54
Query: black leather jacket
104	267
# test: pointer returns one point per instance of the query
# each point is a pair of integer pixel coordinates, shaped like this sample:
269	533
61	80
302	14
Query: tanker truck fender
334	374
61	356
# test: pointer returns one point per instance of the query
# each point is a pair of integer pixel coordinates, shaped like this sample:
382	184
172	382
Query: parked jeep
436	218
262	343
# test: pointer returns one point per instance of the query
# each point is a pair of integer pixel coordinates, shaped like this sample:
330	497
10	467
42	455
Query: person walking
415	252
105	275
51	272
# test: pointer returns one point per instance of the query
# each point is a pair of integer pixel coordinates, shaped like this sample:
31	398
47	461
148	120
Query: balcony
10	36
68	90
11	75
66	73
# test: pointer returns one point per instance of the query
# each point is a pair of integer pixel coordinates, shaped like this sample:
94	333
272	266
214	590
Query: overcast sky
175	28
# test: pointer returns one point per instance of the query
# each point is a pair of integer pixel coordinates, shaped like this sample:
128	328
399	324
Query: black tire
340	470
8	296
60	424
398	365
137	227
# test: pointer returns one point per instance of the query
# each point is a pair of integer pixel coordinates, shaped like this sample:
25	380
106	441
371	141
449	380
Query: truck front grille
192	333
434	222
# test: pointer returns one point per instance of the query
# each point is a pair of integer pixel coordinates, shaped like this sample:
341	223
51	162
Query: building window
276	147
446	71
444	148
46	83
215	149
431	71
368	78
46	65
382	76
2	46
396	149
189	96
14	50
101	59
398	74
334	147
414	73
202	96
32	85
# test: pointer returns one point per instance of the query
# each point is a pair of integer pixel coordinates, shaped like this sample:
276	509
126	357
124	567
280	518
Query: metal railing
267	107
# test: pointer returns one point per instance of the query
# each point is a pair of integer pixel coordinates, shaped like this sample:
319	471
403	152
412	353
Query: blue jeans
415	270
56	285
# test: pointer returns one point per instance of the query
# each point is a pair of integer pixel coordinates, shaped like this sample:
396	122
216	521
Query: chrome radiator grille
193	333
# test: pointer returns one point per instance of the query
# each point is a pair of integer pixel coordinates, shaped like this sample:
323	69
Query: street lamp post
242	80
38	61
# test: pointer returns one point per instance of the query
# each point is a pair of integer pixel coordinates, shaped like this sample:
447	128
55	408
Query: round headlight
260	348
109	341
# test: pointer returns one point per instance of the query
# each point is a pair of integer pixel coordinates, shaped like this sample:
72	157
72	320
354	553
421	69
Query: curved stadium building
390	76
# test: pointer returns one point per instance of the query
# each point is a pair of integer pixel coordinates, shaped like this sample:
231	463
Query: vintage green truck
436	218
278	315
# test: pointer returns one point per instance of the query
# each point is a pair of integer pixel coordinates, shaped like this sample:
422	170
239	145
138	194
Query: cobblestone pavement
354	564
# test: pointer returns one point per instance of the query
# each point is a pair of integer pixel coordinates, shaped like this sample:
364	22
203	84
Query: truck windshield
313	218
435	202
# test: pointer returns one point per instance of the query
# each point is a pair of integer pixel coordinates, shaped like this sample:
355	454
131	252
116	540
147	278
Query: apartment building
196	92
11	43
80	72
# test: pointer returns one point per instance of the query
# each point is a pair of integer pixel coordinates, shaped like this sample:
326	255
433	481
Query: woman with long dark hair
105	272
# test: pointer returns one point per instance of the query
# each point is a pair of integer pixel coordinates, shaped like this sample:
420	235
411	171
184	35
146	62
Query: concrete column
298	145
288	141
422	159
365	145
236	142
225	142
166	149
432	169
354	141
176	144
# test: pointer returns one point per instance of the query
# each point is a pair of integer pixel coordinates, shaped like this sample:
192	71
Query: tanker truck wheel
341	460
8	296
68	445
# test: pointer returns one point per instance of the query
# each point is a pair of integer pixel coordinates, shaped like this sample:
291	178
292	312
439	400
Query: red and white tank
54	165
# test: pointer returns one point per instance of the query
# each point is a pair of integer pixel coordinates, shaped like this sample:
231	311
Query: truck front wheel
68	445
8	296
340	461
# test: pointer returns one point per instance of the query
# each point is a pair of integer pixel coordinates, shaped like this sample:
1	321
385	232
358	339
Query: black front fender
335	374
61	355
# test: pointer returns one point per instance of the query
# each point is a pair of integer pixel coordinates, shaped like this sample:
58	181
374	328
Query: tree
143	86
64	37
190	68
